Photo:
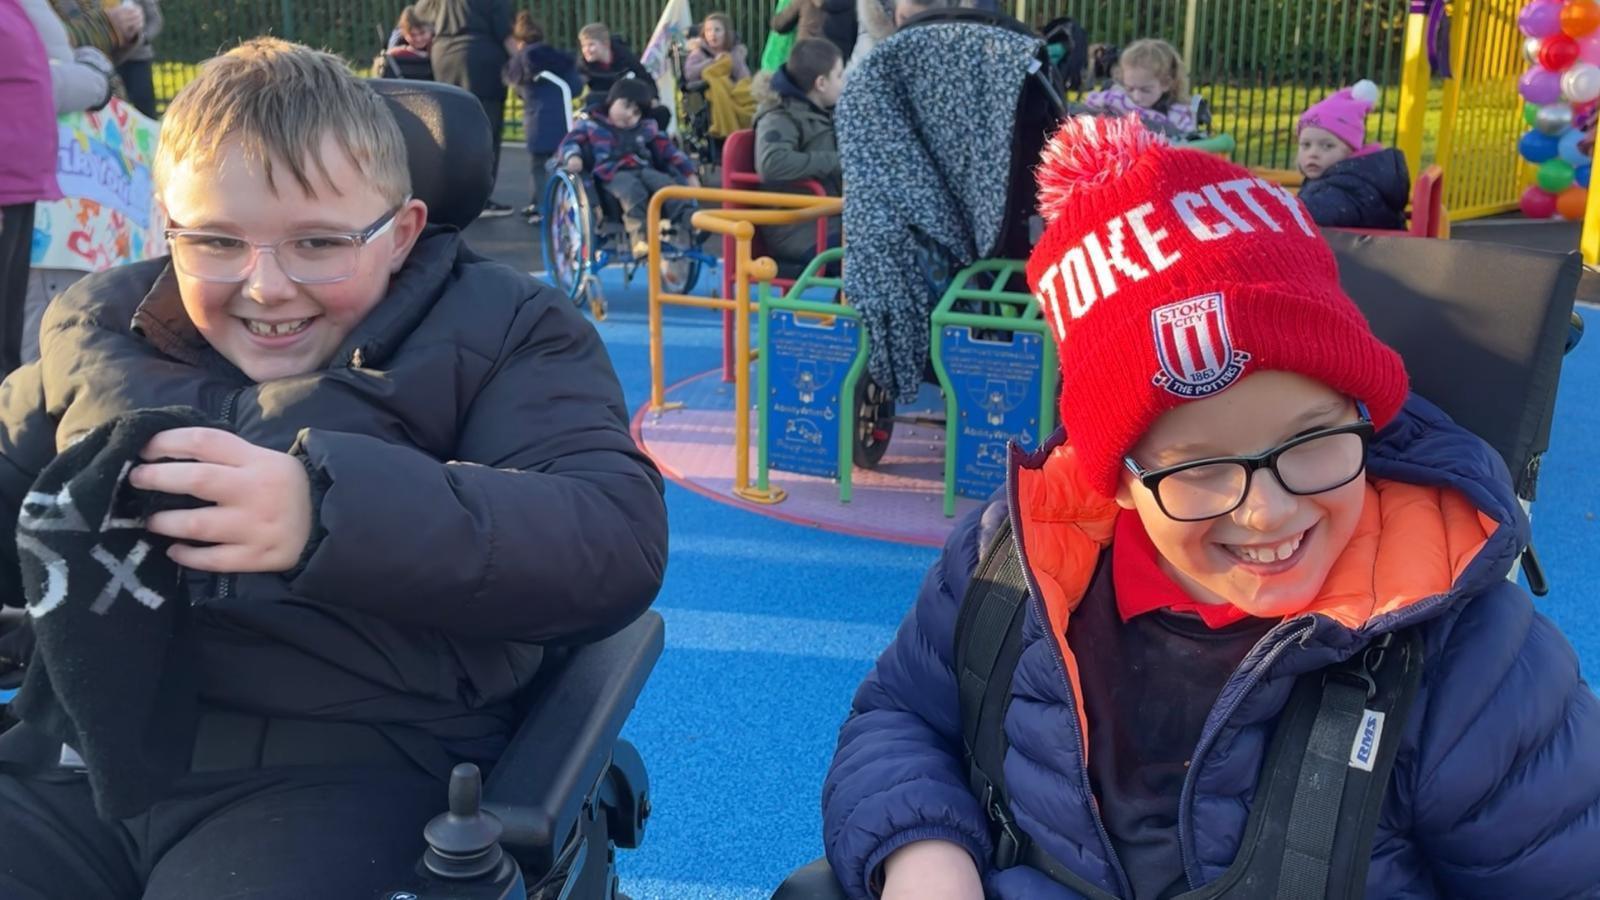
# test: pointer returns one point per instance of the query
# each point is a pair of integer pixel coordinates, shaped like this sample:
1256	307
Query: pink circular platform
901	500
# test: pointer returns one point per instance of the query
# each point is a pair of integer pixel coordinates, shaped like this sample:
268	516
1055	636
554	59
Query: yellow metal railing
1480	117
756	208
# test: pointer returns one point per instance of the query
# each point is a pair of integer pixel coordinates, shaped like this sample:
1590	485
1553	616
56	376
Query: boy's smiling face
268	325
1218	560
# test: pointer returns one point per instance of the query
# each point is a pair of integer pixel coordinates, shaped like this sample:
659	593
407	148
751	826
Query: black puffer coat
478	491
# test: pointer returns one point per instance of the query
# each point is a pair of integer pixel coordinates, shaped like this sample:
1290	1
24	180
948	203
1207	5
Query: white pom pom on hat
1087	152
1365	91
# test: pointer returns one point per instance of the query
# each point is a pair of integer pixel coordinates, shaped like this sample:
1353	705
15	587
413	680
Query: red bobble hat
1167	275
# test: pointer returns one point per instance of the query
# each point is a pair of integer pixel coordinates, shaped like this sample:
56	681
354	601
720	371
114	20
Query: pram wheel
568	234
874	422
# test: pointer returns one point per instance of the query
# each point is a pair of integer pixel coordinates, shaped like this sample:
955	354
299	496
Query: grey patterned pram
939	128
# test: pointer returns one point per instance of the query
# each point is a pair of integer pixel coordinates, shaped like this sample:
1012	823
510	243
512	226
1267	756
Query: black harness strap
1314	813
989	640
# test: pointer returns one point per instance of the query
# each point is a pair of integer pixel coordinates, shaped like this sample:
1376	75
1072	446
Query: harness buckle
1009	839
1359	672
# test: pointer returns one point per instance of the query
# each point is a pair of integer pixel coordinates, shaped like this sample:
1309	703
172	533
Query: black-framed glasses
316	258
1309	464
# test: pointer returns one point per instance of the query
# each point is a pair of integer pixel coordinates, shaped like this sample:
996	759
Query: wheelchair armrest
558	755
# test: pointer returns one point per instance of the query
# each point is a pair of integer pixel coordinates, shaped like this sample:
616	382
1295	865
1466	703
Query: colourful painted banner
108	216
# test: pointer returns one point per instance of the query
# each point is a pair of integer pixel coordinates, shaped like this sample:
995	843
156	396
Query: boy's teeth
267	329
1269	554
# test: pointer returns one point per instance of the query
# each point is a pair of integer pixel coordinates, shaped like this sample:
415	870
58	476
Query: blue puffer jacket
1496	788
1367	191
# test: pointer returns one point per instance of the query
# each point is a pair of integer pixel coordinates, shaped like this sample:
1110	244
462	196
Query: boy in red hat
1244	493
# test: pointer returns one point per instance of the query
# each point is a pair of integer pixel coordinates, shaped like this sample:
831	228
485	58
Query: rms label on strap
1368	736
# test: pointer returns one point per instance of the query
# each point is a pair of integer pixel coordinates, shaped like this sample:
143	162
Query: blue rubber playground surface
770	626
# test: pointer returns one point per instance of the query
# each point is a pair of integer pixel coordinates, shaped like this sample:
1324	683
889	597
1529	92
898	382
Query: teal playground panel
811	356
996	363
991	350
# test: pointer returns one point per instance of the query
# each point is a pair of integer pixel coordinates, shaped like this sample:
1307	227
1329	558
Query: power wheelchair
568	791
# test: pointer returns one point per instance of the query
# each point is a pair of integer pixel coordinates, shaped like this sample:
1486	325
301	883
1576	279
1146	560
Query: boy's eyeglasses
322	258
1309	464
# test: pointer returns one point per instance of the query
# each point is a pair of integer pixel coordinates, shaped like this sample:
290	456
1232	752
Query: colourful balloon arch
1562	90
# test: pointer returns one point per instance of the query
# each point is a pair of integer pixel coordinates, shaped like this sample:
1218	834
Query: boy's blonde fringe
279	101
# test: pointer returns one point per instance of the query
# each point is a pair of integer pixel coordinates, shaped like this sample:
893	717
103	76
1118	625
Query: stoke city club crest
1194	348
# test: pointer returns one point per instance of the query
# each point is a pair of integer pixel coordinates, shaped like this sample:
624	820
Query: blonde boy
426	472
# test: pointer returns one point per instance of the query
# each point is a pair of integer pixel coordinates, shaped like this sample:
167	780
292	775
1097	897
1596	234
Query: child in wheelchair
715	67
630	158
1150	80
407	53
1247	529
716	41
407	468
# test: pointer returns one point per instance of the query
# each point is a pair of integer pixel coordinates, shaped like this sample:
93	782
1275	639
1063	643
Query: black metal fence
1258	62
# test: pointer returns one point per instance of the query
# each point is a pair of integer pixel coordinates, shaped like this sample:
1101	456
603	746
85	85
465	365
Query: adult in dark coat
470	48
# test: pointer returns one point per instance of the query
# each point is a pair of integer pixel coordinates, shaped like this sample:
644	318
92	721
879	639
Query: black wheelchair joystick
463	843
464	860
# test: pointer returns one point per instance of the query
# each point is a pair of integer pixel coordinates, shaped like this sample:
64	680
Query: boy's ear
1124	496
408	225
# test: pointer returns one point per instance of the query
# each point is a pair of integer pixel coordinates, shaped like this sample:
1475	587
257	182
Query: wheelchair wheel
568	234
874	422
679	273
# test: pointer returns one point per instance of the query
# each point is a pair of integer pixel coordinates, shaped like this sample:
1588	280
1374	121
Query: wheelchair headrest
1482	329
447	147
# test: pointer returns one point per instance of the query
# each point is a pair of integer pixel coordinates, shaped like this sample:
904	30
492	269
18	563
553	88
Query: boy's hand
931	870
575	165
692	181
262	517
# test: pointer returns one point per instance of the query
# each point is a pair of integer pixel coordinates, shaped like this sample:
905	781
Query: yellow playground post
757	208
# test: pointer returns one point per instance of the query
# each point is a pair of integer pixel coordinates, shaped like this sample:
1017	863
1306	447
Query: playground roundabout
900	500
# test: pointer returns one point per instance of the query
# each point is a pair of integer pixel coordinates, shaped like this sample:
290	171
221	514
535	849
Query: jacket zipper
1124	888
1209	734
225	582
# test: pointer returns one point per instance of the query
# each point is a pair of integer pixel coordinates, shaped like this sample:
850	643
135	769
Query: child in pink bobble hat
1349	182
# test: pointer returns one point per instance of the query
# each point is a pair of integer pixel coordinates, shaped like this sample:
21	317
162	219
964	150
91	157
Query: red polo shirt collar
1142	586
